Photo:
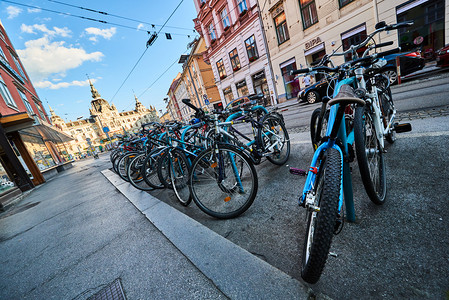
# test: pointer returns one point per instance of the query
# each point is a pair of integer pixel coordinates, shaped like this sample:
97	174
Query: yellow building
103	118
301	32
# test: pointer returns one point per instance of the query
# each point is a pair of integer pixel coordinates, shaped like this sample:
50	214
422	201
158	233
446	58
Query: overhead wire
87	18
116	16
135	65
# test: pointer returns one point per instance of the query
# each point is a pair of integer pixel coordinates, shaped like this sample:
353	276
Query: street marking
422	134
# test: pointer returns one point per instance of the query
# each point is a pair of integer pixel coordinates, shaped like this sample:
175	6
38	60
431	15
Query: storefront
290	83
427	32
242	89
260	83
227	93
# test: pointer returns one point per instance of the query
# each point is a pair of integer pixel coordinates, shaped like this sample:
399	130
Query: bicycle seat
346	96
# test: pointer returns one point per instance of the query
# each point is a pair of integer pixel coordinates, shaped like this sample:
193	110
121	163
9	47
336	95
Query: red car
443	57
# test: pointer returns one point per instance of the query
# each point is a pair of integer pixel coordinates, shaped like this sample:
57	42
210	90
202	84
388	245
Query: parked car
315	92
443	57
409	62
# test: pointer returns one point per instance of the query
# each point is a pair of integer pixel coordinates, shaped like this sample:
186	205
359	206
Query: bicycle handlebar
308	70
383	44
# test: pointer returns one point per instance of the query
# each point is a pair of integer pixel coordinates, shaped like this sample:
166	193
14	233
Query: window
281	28
221	69
251	48
40	112
344	2
308	12
212	34
227	93
225	19
242	6
6	95
290	83
235	61
242	89
19	67
353	37
2	54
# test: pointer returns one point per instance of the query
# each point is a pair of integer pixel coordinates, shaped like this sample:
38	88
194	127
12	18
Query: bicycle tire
273	131
321	225
122	165
149	170
318	124
226	197
369	156
135	173
179	176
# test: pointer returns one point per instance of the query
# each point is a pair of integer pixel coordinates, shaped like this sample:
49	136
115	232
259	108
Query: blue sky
58	50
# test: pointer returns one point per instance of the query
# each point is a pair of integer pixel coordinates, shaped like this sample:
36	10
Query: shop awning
48	133
16	121
314	50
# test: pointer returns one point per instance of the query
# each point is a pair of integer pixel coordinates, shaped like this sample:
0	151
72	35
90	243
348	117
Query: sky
60	50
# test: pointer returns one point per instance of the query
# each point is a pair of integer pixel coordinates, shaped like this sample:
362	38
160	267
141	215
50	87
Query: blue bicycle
329	179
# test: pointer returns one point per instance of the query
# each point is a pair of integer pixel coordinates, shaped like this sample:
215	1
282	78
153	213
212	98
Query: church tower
98	104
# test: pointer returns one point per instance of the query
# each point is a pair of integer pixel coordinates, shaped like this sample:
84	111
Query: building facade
301	32
198	78
236	48
104	123
31	149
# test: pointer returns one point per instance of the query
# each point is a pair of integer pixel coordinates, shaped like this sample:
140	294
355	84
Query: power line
116	16
87	18
146	50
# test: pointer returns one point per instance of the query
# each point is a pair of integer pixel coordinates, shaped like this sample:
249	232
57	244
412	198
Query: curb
233	270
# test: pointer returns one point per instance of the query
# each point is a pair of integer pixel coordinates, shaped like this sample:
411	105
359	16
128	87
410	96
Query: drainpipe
267	50
376	17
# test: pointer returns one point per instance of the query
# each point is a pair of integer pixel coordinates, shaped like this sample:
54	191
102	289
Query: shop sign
240	84
259	75
312	43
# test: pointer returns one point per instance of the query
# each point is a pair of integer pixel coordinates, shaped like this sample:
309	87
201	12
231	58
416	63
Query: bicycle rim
179	177
223	184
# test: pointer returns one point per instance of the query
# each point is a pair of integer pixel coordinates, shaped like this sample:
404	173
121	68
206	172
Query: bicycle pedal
406	127
296	171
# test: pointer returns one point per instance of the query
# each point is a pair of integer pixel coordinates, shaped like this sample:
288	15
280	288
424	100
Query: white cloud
34	10
43	58
13	11
140	26
63	32
96	32
59	85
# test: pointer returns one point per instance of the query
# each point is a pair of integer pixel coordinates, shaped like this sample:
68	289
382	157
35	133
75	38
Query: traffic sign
105	129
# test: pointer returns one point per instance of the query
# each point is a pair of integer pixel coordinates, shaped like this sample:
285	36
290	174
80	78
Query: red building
31	149
236	48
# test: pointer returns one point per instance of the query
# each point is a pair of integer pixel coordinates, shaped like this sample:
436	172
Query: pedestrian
306	80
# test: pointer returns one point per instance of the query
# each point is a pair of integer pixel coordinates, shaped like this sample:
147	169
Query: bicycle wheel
135	175
122	165
319	125
369	156
223	183
149	169
321	221
179	176
274	139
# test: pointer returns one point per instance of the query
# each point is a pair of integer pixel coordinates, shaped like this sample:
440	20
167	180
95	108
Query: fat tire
317	243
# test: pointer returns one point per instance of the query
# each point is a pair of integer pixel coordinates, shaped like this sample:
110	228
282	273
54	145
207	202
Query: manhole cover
113	291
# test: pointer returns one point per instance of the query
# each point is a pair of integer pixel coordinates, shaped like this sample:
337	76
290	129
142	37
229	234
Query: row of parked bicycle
213	162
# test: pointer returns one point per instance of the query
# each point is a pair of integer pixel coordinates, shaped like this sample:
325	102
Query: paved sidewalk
77	234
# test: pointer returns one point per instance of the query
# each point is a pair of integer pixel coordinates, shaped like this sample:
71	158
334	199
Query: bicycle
222	180
329	176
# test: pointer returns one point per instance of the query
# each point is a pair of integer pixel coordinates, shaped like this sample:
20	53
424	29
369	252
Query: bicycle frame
346	179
